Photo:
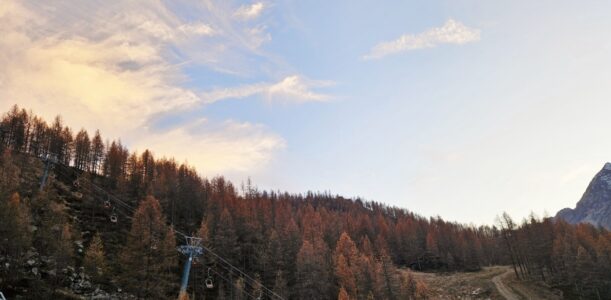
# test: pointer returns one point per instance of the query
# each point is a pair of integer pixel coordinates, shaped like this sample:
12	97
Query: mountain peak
594	207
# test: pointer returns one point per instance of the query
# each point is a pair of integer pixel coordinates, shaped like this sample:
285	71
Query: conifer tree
312	272
280	285
387	285
225	237
240	292
94	261
431	242
19	210
97	152
345	276
148	252
14	227
343	295
346	263
64	253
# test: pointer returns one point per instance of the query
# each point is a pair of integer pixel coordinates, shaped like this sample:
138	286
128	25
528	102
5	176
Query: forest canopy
110	215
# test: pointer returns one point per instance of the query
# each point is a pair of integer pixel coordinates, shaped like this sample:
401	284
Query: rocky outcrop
595	204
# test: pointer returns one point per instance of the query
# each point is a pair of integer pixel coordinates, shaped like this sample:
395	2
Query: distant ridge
595	204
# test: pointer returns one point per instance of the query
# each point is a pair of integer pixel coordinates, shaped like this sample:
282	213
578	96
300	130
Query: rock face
595	204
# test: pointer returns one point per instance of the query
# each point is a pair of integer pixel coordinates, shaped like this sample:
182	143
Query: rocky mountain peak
594	207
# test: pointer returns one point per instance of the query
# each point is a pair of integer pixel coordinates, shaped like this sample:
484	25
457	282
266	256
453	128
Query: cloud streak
292	88
452	32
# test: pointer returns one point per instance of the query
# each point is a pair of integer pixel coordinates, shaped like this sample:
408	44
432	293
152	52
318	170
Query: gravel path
503	289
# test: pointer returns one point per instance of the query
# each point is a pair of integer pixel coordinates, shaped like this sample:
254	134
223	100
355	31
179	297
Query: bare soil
496	282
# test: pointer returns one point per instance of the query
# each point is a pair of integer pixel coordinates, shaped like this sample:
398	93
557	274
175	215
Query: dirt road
495	283
504	290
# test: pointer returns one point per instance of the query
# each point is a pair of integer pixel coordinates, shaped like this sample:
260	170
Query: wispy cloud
197	29
249	12
115	71
452	32
290	89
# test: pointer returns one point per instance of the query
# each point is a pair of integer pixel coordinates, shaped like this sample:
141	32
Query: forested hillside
106	222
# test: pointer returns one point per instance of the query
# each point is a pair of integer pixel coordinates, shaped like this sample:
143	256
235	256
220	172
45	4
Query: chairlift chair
107	204
154	244
208	282
114	218
76	183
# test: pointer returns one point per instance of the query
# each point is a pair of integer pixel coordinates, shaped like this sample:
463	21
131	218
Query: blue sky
462	109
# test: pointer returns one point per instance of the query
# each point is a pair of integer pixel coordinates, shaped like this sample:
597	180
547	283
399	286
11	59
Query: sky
462	109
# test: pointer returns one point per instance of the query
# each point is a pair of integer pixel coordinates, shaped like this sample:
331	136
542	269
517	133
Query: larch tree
343	295
95	261
82	147
312	271
346	259
97	152
280	285
147	254
431	242
14	227
387	284
64	254
225	237
345	275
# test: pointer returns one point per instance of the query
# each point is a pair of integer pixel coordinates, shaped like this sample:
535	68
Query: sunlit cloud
290	89
249	12
228	146
452	32
114	71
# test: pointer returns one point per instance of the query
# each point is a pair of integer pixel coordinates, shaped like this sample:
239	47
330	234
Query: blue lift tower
192	249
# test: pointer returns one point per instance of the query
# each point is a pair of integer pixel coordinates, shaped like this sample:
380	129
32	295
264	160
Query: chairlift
107	204
114	218
208	282
76	183
154	244
78	195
